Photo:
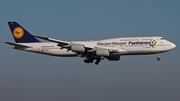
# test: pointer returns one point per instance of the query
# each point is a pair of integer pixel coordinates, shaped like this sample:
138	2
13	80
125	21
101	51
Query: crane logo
18	32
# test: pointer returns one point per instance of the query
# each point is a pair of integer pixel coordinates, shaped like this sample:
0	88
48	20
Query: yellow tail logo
18	32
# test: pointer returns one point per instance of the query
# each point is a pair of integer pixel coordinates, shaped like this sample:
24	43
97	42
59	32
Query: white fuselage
124	46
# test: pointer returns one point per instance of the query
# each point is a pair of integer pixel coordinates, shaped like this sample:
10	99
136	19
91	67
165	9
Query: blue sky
29	76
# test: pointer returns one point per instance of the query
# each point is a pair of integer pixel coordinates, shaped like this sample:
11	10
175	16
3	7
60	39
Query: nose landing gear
158	57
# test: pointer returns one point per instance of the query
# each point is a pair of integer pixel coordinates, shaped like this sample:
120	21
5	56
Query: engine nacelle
78	48
102	52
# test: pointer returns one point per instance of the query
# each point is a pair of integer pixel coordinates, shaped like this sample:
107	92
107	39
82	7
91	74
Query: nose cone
173	46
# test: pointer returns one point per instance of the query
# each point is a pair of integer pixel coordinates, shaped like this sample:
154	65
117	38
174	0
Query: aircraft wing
90	50
18	45
63	44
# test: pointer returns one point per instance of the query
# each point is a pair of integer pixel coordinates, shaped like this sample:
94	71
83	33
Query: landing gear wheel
96	63
158	58
86	61
91	61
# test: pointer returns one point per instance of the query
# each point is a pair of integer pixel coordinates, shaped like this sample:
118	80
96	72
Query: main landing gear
158	57
90	60
97	61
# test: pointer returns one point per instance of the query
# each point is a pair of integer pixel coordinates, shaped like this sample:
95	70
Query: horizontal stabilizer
18	45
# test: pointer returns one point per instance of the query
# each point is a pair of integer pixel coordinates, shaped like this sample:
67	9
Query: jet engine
102	52
78	48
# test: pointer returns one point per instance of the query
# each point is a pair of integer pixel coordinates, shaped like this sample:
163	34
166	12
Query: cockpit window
162	38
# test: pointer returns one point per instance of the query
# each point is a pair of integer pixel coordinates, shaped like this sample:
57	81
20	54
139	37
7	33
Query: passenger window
162	38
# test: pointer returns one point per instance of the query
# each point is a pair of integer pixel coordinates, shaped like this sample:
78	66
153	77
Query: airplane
111	49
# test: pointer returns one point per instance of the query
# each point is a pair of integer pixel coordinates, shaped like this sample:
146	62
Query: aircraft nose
173	46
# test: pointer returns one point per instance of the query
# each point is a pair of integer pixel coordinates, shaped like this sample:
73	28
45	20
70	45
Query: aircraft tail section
20	34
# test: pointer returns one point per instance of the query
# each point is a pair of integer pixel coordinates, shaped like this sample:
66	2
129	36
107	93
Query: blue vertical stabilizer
20	34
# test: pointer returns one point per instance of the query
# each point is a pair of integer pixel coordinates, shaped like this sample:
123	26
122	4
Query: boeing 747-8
110	49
